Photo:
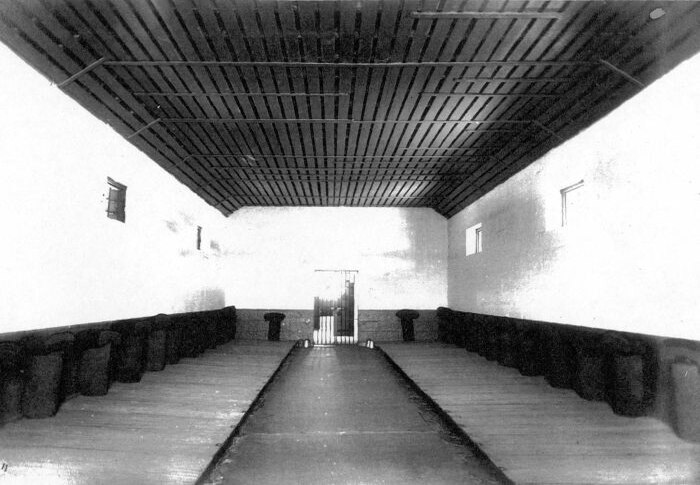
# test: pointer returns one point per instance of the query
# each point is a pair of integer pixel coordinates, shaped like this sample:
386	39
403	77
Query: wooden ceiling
348	102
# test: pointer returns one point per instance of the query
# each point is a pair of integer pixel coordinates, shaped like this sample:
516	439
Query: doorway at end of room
335	306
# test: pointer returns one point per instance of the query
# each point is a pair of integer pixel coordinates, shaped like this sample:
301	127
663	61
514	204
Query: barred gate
335	311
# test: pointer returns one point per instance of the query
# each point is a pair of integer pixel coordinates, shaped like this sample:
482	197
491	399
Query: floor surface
344	415
162	430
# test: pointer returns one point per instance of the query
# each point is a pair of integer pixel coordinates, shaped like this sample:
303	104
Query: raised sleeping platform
556	404
164	395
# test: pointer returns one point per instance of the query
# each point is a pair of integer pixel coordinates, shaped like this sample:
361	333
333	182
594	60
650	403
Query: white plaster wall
633	263
62	261
401	255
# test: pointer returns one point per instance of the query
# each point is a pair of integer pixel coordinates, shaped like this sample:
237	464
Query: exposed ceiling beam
227	69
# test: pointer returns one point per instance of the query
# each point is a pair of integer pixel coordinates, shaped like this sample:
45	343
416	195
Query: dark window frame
116	200
563	192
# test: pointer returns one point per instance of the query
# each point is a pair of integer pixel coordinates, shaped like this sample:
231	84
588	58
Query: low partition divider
39	369
637	375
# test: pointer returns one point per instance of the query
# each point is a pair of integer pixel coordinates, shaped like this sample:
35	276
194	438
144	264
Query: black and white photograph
349	242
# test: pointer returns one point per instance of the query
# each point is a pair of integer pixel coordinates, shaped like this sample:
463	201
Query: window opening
116	200
474	238
571	203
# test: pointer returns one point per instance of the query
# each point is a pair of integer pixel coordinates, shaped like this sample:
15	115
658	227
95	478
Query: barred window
116	200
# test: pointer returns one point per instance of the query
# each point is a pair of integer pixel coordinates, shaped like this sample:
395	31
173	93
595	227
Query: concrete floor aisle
344	415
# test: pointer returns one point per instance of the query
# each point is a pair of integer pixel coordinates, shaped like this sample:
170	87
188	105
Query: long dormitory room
349	242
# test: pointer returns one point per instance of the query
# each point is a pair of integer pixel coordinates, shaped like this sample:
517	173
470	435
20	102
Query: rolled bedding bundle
274	328
156	342
173	341
129	357
685	376
444	315
94	364
406	318
561	362
12	360
41	394
626	386
590	377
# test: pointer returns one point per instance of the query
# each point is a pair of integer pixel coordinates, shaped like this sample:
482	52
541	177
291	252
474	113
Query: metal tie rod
144	128
330	120
338	171
337	179
163	62
224	94
311	197
622	73
321	157
85	70
486	15
494	95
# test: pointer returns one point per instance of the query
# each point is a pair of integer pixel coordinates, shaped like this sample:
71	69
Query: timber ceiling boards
348	102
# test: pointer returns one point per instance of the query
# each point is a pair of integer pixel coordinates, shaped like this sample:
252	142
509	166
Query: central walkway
344	415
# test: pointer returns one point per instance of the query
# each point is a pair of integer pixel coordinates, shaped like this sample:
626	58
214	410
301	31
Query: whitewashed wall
401	255
62	261
633	260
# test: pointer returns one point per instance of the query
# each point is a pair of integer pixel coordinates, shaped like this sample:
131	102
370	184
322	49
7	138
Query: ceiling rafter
347	103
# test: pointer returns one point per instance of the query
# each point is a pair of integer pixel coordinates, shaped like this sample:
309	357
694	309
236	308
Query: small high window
116	200
571	203
199	238
474	240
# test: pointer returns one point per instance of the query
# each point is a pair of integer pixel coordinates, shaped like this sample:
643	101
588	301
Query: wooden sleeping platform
539	434
164	429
